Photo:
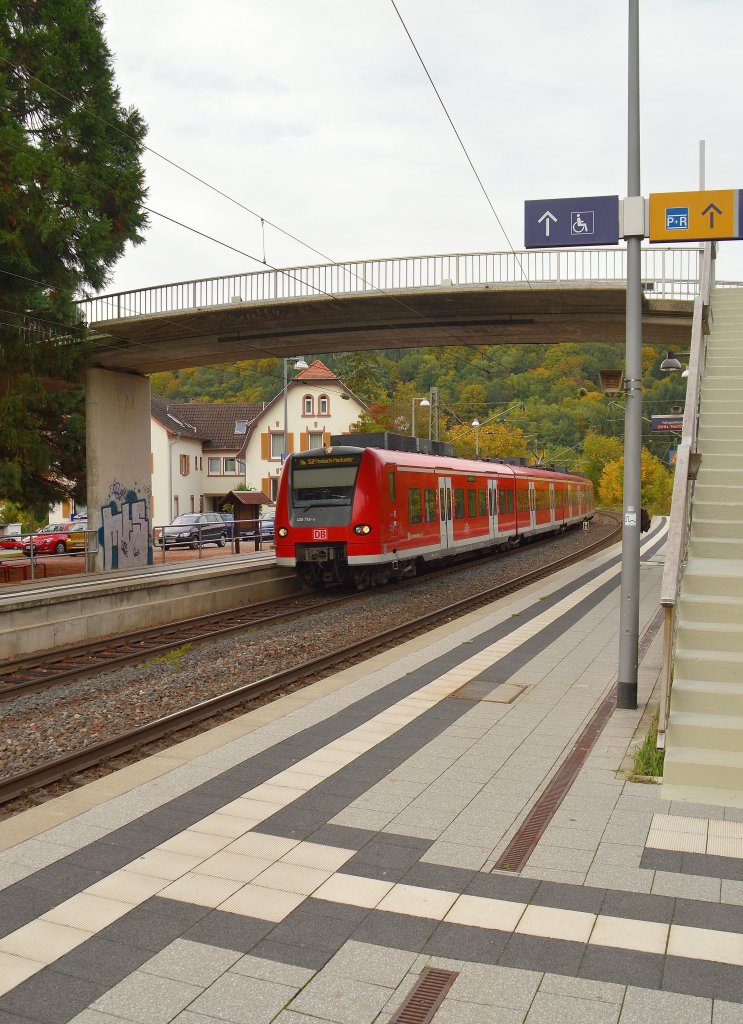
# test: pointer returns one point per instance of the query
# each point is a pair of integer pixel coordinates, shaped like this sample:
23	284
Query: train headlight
362	529
282	531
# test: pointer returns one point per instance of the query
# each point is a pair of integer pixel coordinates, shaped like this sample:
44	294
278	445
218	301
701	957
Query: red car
52	539
11	541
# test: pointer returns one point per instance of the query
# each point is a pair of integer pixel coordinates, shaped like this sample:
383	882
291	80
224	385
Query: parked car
229	524
266	524
11	541
56	538
193	528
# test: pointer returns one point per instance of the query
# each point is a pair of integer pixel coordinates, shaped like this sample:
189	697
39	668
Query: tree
71	188
656	484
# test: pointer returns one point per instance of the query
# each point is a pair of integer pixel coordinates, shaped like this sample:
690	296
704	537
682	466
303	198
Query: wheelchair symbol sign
581	222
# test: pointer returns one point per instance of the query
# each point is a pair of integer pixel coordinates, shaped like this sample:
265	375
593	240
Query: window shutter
304	441
266	485
290	443
326	436
265	445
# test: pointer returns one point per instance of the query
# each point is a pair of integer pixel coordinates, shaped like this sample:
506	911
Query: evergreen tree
71	188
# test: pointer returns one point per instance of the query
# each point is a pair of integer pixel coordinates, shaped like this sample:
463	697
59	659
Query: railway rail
72	763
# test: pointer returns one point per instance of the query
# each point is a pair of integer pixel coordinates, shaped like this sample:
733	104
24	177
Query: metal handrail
683	488
666	273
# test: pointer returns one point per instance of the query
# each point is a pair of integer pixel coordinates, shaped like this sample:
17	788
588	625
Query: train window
502	502
459	502
471	503
522	500
442	503
448	503
430	502
482	503
323	479
391	486
415	514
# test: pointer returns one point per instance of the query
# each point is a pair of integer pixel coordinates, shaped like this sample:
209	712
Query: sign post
584	220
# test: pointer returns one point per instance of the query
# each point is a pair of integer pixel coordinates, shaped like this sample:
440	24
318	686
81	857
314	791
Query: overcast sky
317	115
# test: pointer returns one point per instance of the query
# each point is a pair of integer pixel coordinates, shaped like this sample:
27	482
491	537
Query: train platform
359	847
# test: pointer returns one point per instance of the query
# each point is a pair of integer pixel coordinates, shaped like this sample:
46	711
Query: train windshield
323	479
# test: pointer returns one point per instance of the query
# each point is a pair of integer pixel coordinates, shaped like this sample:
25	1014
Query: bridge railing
666	273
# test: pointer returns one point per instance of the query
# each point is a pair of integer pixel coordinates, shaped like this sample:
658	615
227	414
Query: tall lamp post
299	364
476	425
424	404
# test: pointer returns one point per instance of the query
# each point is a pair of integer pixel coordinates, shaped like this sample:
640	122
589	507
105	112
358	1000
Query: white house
202	451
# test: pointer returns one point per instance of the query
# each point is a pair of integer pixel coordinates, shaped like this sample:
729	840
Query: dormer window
323	406
308	405
241	426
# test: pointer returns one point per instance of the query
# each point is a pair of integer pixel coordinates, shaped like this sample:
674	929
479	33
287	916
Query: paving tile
128	887
353	1002
100	961
480	912
549	1008
552	923
588	899
153	925
311	958
690	886
418	901
192	962
540	954
263	903
394	930
292	878
706	944
270	970
642	1005
695	913
582	988
243	1000
622	967
452	1011
49	997
231	865
495	986
624	933
641	907
360	892
43	941
314	855
726	1013
92	913
147	999
373	964
16	969
478	945
197	844
204	890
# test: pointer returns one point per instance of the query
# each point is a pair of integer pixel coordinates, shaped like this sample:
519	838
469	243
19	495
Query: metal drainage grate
521	847
425	997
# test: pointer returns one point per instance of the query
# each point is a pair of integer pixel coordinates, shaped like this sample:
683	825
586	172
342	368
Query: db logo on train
319	534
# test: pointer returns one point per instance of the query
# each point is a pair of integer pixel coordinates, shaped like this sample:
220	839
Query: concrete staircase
704	745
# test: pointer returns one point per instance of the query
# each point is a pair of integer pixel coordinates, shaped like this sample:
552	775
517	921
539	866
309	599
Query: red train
368	515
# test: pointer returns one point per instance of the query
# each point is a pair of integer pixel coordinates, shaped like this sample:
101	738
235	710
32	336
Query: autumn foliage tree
71	189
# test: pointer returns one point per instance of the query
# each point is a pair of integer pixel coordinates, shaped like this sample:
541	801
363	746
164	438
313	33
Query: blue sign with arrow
585	220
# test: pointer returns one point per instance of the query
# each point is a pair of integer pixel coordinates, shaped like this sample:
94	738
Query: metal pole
412	417
284	443
701	165
629	613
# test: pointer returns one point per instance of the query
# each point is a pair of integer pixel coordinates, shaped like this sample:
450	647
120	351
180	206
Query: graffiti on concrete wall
125	537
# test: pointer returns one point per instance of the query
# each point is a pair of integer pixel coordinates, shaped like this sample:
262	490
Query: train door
445	515
532	507
493	507
552	503
393	517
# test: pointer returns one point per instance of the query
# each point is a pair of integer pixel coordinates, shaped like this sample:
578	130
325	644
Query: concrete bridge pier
119	491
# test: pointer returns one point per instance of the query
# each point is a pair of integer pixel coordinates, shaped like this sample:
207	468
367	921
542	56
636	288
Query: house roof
249	498
212	422
317	370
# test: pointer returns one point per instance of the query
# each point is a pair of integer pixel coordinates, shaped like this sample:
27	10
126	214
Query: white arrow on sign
547	216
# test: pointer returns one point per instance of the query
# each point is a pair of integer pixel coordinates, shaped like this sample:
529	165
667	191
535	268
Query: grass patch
173	657
647	760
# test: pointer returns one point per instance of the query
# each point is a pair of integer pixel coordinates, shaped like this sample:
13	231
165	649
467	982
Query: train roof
450	463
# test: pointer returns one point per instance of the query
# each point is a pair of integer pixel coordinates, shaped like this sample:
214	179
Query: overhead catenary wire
460	141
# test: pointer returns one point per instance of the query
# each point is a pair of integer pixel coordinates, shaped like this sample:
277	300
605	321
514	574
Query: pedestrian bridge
528	297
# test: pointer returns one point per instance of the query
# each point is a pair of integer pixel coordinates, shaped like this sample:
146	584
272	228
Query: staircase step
717	529
726	494
701	770
729	511
698	635
724	462
723	547
708	608
713	667
714	577
705	732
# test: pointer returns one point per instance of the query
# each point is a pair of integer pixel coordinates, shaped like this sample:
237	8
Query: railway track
71	764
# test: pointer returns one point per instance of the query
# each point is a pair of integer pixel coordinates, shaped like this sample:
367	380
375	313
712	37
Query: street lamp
299	364
476	425
424	404
671	362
